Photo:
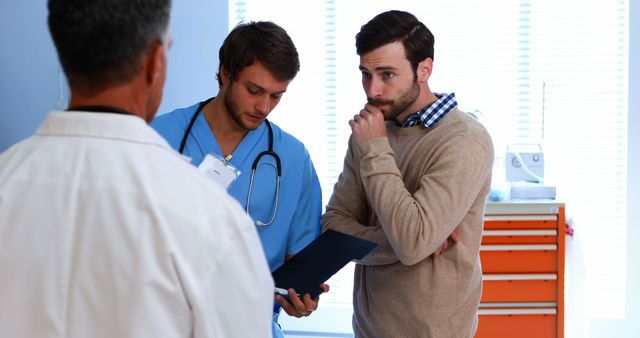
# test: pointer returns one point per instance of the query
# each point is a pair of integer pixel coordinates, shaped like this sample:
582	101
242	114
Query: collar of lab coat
128	128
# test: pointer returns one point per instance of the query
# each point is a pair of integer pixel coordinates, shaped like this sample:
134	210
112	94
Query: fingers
300	307
442	248
357	119
367	124
297	307
297	303
362	115
289	307
367	113
324	287
455	235
310	304
371	108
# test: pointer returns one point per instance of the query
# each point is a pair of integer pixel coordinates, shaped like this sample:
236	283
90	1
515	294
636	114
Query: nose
373	88
264	105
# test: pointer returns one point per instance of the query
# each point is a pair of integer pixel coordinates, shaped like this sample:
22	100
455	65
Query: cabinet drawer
509	259
519	288
535	236
512	222
521	323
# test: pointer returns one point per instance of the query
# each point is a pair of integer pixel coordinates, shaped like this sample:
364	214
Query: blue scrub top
298	217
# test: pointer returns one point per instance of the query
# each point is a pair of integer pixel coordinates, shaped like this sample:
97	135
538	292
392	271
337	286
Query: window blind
535	71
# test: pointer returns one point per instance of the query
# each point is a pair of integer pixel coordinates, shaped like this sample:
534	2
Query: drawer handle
520	233
550	311
533	247
493	277
520	305
521	218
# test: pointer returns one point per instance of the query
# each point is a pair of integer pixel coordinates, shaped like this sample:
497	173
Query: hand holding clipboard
320	260
315	264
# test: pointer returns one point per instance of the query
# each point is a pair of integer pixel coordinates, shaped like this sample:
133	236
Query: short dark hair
100	43
395	26
261	41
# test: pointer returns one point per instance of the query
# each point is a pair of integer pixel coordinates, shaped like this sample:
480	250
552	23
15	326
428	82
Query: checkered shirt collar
433	113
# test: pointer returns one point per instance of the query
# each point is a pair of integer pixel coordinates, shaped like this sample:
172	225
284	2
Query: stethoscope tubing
254	165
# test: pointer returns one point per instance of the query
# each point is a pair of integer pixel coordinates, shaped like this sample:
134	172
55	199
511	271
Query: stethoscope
254	166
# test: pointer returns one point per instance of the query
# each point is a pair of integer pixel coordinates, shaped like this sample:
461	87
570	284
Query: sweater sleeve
417	224
348	211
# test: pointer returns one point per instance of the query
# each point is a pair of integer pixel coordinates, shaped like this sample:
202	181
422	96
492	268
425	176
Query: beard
232	109
396	107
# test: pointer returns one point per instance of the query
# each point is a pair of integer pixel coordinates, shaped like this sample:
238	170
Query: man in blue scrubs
258	60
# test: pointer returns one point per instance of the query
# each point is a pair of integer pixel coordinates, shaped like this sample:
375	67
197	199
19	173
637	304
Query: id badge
219	170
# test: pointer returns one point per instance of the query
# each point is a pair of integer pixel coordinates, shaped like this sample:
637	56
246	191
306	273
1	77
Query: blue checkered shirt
433	113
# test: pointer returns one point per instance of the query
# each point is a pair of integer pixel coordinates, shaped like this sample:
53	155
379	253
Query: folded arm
417	224
348	212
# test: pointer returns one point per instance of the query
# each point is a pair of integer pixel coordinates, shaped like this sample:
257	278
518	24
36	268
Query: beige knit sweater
407	192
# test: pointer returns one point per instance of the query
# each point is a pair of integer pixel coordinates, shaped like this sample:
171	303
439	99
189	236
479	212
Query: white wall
629	326
32	84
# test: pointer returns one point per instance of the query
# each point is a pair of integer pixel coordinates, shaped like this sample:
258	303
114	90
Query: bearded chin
404	102
231	109
397	109
399	105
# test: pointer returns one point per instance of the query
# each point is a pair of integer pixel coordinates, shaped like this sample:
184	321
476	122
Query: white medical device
524	168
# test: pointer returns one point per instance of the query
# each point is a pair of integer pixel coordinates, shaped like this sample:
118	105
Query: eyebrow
263	89
379	69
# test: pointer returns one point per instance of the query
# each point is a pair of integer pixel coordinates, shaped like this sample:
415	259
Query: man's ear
155	63
424	69
224	75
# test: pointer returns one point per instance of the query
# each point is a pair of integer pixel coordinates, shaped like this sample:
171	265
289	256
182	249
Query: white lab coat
105	231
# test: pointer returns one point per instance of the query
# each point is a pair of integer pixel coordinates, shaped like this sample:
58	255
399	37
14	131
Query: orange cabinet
517	322
522	256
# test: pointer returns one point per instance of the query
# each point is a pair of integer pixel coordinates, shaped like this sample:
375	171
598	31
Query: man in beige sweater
416	171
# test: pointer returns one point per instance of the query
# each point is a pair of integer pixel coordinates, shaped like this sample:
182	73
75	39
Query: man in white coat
105	231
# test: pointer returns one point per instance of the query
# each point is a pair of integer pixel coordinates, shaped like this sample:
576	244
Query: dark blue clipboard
320	260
